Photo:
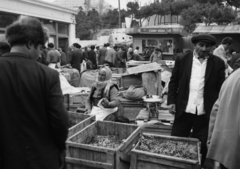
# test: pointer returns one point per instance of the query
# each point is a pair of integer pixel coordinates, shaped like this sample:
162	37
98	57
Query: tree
144	13
189	18
110	19
82	30
206	13
87	23
132	9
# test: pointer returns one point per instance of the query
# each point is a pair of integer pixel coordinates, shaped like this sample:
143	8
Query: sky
123	3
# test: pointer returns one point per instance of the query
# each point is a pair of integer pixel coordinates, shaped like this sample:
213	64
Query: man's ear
29	44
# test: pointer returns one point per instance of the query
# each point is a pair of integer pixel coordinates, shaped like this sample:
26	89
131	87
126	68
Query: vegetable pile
105	141
168	147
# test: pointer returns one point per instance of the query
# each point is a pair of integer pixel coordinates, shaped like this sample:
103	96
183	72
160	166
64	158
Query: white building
60	21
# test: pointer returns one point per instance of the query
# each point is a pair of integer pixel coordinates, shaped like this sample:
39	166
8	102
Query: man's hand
172	109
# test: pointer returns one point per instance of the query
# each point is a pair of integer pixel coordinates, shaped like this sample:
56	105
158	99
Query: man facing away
53	56
33	120
102	54
221	52
193	89
76	56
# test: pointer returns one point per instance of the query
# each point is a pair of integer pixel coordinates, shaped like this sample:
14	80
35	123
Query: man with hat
193	89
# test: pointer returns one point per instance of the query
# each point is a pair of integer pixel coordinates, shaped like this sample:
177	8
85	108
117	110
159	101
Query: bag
134	93
83	66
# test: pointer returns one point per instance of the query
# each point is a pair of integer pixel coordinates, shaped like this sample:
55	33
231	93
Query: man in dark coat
33	120
193	89
76	56
102	55
92	57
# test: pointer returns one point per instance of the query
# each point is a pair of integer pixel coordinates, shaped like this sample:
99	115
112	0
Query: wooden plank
162	161
89	163
83	121
144	68
134	161
128	80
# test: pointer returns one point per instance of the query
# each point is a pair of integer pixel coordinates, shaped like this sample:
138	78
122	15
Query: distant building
60	21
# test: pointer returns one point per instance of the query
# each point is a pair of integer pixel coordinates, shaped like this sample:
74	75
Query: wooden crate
80	155
80	120
147	160
131	109
128	80
158	128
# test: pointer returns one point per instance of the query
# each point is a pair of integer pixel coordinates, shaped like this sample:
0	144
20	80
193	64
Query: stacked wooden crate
84	156
78	121
73	101
147	160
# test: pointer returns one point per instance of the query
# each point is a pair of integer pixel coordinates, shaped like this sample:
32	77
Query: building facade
60	21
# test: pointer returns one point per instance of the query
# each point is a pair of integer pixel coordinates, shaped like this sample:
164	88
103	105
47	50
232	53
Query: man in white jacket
220	51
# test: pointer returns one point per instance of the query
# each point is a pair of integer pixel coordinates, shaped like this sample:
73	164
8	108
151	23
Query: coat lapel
189	61
209	68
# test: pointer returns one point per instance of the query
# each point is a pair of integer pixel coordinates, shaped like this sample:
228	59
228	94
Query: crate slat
82	120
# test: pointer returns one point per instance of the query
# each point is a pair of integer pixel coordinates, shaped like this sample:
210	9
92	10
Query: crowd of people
203	95
94	56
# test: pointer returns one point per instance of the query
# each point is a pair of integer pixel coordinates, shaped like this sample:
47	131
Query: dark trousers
183	125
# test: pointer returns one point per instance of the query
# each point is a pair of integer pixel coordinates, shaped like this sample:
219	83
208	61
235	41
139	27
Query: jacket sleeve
212	120
57	113
236	65
174	82
222	75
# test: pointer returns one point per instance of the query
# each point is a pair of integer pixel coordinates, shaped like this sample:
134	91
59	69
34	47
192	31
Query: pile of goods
106	141
169	147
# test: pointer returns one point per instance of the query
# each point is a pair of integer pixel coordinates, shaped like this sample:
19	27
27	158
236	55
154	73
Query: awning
228	29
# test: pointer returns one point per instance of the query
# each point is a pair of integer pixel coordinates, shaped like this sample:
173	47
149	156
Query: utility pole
119	9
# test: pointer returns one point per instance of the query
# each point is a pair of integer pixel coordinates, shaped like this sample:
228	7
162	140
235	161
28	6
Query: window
7	19
165	44
50	26
63	28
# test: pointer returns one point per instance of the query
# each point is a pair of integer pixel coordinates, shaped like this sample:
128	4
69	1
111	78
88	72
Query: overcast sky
123	3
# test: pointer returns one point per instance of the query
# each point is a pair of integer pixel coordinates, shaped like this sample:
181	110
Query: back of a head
115	47
50	45
105	45
137	47
92	47
227	40
76	45
24	30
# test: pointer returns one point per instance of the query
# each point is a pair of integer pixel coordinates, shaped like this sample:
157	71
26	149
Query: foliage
110	19
110	141
206	13
189	18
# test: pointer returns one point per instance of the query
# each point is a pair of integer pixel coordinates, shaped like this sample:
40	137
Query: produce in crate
173	148
106	141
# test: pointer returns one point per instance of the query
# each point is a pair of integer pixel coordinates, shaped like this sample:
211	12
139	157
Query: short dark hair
105	45
76	45
26	29
137	47
227	40
50	45
115	47
92	47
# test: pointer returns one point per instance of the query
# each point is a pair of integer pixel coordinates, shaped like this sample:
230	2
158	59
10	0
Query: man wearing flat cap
193	89
33	120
